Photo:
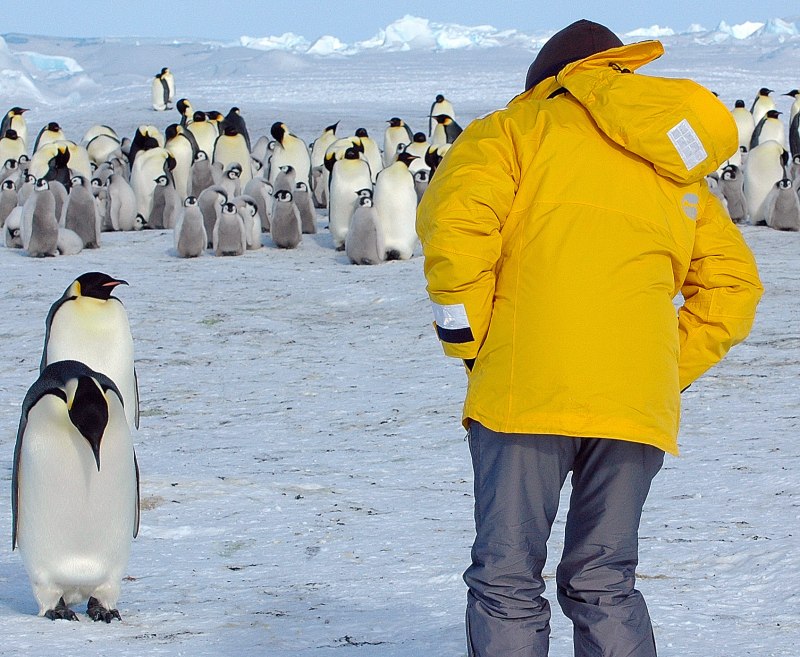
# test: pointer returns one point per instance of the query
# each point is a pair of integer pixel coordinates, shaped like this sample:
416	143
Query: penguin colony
202	178
760	184
75	479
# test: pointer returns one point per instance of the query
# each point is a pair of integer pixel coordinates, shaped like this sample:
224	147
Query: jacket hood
676	124
576	41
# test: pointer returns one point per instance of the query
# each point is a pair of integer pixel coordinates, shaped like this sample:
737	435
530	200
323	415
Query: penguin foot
61	612
98	612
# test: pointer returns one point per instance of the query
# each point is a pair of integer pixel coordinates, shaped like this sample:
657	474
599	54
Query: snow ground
306	484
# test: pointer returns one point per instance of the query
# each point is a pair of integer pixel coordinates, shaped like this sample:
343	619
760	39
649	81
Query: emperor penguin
305	206
248	210
762	104
9	199
364	242
166	203
202	174
101	148
318	181
81	215
769	127
440	106
180	147
347	176
396	133
14	119
146	137
285	226
51	162
210	202
98	129
261	191
261	151
232	147
12	146
185	109
229	236
60	194
289	149
285	180
371	152
762	169
794	136
121	203
781	208
446	130
395	202
26	188
204	133
422	178
159	92
39	227
190	232
235	119
89	324
434	156
418	147
231	179
147	167
732	187
10	170
48	134
69	242
75	491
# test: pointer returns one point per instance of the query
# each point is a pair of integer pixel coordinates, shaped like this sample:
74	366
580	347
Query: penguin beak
114	283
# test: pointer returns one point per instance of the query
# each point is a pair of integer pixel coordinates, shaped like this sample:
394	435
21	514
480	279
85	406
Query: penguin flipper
794	135
756	134
138	511
135	398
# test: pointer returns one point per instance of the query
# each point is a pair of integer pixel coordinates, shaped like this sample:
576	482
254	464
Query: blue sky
353	20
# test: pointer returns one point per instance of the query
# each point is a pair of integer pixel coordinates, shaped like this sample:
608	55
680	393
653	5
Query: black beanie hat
574	42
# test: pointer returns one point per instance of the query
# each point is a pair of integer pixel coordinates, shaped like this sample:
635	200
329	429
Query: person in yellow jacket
556	234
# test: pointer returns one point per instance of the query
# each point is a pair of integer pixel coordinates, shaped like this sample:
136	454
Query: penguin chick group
75	479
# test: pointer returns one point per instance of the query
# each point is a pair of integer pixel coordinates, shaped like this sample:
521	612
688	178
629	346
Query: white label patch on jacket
688	144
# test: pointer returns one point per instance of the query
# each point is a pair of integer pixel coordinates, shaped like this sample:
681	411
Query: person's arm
458	223
721	292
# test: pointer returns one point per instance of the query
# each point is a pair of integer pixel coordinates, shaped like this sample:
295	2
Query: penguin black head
170	163
419	138
190	201
443	119
10	164
198	117
201	155
329	161
301	186
16	111
95	284
439	98
11	134
278	130
9	184
164	70
284	196
365	201
730	172
361	193
233	110
422	175
53	126
773	114
362	132
78	181
395	122
793	93
88	411
332	127
352	153
784	183
764	91
228	208
42	184
406	158
287	168
172	131
183	105
213	115
739	103
231	131
162	181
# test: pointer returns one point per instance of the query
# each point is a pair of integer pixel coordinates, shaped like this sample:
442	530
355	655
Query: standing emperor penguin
732	187
210	202
229	233
260	190
49	134
11	146
121	203
781	208
167	76
285	180
305	206
744	124
318	149
285	230
81	215
371	152
364	242
14	120
418	147
446	130
764	167
12	230
395	202
395	134
185	109
769	127
9	199
231	179
190	232
289	149
347	176
231	147
147	167
75	491
159	92
39	228
248	211
202	174
180	147
90	325
440	106
166	203
203	132
762	104
235	119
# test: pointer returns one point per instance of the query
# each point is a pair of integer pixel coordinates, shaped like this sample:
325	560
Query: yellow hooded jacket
558	231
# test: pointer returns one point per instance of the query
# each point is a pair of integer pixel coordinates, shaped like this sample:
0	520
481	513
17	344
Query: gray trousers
518	479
